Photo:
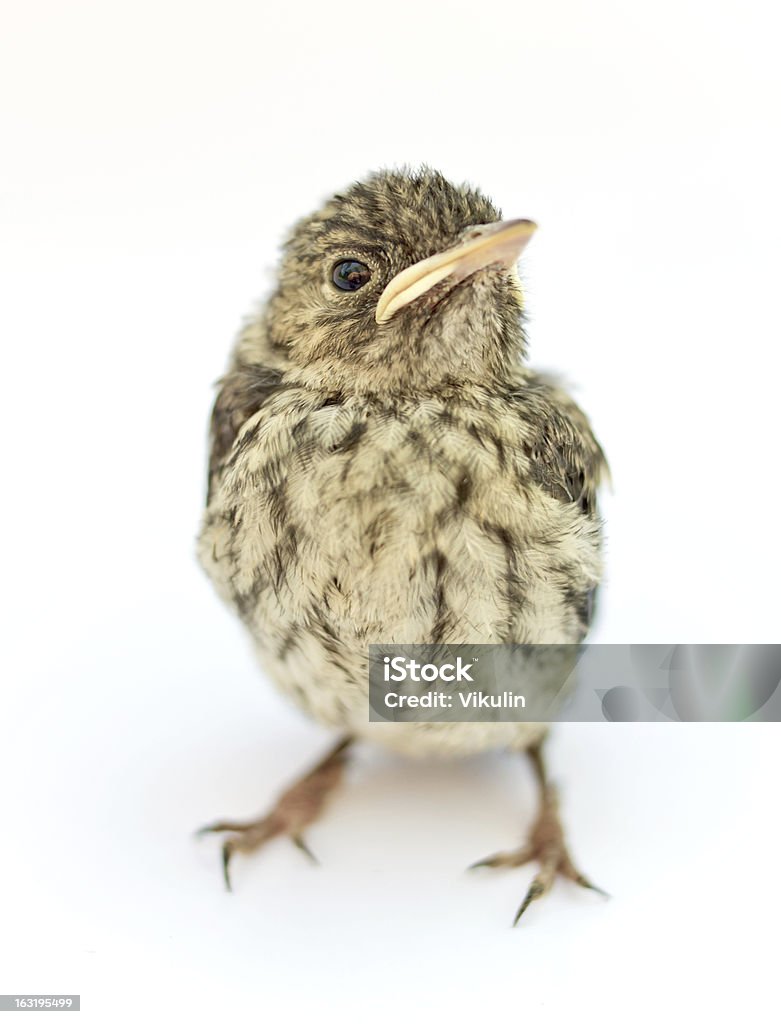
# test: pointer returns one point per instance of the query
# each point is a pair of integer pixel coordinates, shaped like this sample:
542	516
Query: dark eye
349	275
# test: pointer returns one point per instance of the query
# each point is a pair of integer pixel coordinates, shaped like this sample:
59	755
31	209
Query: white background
152	156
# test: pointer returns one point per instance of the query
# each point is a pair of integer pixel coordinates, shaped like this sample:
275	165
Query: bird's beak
484	245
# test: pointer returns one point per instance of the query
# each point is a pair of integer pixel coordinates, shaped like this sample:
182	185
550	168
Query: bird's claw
298	841
227	852
541	885
293	812
512	859
546	845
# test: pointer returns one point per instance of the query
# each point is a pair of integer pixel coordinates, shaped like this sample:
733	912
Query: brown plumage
384	469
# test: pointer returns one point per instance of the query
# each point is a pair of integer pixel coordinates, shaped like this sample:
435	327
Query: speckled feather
411	482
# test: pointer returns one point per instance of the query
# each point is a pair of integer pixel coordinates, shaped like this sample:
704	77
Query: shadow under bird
385	468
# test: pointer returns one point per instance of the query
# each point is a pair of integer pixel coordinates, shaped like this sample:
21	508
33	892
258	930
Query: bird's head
403	281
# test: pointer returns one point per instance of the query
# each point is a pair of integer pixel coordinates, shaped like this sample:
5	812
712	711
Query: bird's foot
293	812
546	845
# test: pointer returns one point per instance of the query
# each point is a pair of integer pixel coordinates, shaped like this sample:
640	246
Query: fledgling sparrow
386	469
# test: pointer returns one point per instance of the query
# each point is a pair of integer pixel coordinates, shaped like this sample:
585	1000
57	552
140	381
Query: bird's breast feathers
429	521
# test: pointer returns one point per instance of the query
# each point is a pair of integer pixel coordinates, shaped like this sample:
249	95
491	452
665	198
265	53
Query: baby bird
385	469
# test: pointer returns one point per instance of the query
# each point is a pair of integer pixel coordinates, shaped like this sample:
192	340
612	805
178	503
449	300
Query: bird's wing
242	391
565	457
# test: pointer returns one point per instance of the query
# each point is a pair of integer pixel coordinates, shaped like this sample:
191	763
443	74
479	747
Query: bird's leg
293	812
546	843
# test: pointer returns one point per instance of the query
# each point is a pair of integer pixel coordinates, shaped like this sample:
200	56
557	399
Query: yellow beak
484	245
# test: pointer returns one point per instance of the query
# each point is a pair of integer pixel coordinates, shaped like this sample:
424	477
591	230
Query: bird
385	467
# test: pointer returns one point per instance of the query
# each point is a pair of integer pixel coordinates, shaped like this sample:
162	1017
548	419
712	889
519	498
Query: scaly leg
546	843
293	812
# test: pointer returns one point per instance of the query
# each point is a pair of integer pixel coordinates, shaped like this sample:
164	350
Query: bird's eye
350	275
